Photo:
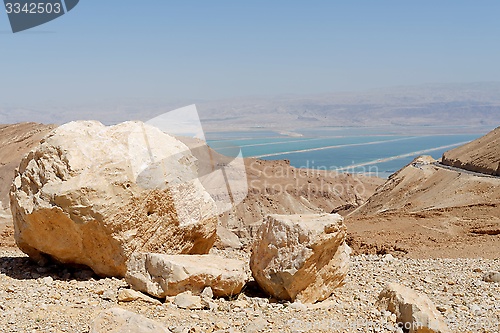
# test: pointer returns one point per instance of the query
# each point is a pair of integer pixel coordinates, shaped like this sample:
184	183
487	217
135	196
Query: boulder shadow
23	268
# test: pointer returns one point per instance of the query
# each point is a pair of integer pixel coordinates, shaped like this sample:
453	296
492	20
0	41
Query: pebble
492	277
48	280
109	295
188	301
298	306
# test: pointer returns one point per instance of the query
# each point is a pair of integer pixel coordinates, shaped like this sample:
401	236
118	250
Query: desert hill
15	141
275	187
425	210
481	155
423	186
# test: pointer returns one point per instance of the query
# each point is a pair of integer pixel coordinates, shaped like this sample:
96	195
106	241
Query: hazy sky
160	50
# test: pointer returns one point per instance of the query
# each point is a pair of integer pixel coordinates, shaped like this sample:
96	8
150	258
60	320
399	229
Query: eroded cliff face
481	155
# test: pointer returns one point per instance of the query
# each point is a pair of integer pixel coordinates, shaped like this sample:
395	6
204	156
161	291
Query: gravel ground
59	299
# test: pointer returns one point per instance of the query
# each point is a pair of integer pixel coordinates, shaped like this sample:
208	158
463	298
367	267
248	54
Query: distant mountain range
474	104
431	105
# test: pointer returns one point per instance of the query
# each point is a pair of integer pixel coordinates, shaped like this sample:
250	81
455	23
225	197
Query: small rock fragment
129	295
414	311
118	320
207	293
298	306
186	300
48	280
227	239
108	295
388	258
492	277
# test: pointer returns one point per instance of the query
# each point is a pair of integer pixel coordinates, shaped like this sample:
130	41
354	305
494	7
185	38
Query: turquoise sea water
376	154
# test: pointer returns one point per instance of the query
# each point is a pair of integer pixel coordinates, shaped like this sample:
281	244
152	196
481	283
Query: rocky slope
425	210
428	209
481	155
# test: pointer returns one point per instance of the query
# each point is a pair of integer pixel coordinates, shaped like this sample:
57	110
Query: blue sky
159	50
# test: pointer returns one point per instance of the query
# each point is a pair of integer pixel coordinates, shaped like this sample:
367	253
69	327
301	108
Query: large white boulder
300	257
91	194
414	311
164	275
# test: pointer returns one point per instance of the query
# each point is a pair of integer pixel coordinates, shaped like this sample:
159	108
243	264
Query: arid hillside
481	155
275	187
15	141
432	209
425	210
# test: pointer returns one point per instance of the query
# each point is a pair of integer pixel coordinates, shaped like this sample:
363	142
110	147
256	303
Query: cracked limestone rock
413	310
92	194
163	275
300	257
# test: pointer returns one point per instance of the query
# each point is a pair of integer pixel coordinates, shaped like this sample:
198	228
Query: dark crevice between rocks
252	289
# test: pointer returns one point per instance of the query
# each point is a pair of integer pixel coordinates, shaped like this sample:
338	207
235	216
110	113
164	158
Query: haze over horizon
163	53
472	105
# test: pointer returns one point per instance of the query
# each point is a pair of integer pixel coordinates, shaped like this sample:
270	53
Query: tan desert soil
481	155
425	211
